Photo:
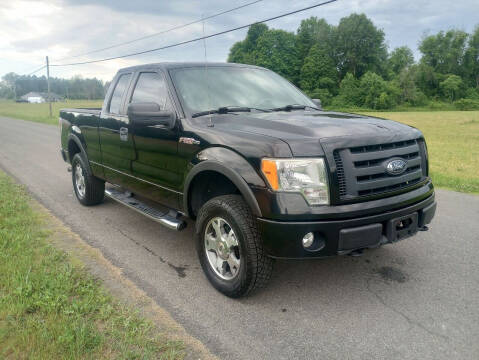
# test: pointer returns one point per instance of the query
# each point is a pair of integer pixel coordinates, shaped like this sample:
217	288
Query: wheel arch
75	143
233	176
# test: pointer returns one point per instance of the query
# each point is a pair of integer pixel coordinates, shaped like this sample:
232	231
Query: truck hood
305	131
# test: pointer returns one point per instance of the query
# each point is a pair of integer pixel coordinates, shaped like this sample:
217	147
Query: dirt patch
180	270
390	273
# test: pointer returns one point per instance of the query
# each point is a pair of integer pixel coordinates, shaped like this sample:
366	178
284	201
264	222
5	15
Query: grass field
453	144
51	308
452	137
40	112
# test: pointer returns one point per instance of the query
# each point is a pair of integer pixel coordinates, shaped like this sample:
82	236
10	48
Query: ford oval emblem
396	167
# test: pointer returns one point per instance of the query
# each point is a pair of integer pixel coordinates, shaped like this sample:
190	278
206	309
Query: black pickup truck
264	171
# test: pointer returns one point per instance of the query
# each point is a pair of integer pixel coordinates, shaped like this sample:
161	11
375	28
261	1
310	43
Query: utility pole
48	87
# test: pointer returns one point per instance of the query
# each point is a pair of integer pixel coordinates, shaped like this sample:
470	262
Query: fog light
308	240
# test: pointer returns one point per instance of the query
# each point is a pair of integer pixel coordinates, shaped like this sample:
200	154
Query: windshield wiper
227	109
293	107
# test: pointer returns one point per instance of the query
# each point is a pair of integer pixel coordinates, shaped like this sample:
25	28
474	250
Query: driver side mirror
317	102
150	114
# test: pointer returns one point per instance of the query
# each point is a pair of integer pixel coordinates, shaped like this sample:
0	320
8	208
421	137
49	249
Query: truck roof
176	65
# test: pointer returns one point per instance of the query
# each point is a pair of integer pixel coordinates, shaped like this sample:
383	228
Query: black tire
93	189
255	267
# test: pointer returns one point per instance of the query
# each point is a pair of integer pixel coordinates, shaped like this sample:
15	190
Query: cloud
29	30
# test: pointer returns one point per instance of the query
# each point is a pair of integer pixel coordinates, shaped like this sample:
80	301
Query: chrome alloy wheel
222	248
79	181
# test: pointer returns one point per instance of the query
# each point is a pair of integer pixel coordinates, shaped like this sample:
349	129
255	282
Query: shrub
318	71
376	93
349	92
452	86
418	98
437	105
467	104
323	94
472	93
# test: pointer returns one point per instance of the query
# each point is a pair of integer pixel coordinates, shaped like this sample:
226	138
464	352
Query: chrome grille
340	173
361	170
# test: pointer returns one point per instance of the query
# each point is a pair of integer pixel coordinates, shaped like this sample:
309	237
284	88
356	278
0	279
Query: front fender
230	164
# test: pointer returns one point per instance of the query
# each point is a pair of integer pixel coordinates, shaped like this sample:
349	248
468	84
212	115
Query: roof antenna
206	69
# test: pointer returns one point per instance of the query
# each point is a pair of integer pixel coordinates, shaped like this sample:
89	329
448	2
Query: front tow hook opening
403	224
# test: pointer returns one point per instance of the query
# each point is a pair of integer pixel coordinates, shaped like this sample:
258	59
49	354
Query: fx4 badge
396	167
190	141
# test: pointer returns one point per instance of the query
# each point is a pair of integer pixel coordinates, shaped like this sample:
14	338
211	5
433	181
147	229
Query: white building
37	98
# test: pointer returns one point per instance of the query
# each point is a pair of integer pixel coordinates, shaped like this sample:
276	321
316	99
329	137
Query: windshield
204	89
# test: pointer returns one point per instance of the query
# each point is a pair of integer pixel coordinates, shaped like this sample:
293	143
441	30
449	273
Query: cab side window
151	87
117	95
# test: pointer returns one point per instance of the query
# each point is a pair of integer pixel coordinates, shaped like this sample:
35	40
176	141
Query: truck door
116	140
156	164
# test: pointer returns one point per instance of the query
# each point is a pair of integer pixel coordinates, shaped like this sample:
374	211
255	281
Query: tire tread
261	264
94	187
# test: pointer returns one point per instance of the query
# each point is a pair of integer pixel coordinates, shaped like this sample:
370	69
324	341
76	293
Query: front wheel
89	190
230	248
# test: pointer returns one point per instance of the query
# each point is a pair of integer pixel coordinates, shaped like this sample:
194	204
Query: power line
164	31
198	38
35	71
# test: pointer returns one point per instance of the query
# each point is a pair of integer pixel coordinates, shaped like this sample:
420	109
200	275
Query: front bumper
283	239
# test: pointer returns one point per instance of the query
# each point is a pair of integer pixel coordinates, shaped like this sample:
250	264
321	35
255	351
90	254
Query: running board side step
169	218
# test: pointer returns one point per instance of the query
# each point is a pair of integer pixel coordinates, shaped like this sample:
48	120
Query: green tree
451	87
318	72
10	82
276	50
445	51
323	94
427	80
472	59
237	53
400	59
350	62
360	46
349	92
375	93
472	93
75	88
243	51
311	32
407	85
6	92
371	86
409	92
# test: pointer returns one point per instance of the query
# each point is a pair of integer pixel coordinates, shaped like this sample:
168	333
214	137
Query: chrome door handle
124	134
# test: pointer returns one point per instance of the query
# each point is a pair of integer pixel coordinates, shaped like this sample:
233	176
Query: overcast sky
29	30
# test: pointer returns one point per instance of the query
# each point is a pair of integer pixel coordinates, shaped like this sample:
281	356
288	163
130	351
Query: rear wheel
230	248
89	190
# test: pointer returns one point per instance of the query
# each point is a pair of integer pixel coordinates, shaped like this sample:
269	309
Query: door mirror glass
150	114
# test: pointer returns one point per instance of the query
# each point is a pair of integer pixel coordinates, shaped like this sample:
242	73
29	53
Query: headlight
305	176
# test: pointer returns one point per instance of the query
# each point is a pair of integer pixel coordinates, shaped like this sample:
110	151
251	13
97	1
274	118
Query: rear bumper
284	239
